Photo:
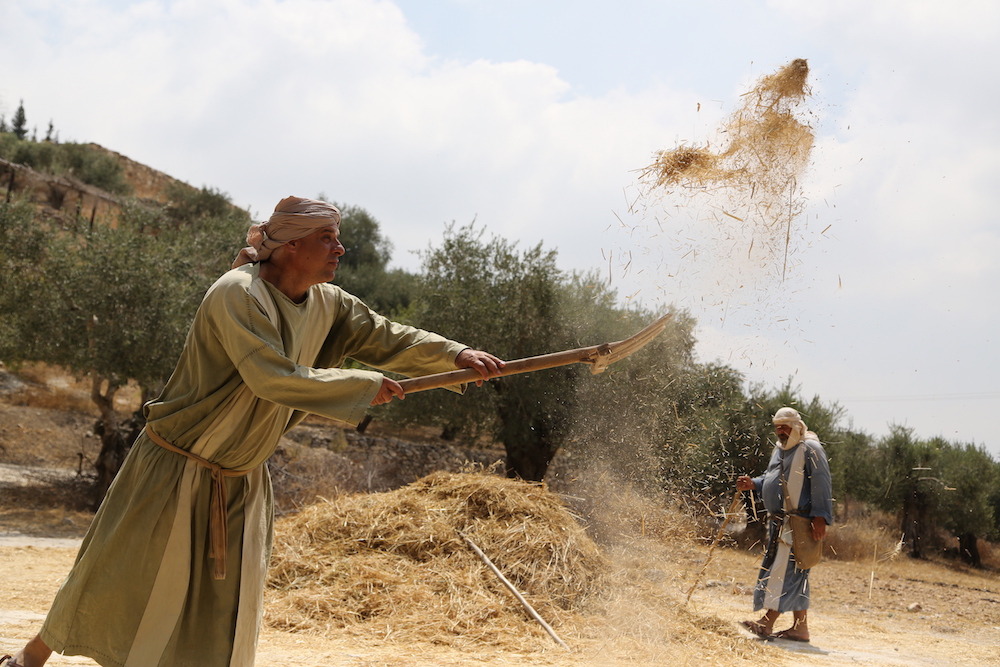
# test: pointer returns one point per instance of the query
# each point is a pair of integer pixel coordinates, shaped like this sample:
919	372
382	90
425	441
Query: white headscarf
293	218
790	417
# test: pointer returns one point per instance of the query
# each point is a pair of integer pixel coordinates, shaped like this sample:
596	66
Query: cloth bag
807	551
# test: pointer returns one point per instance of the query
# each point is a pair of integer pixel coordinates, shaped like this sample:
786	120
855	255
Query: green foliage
494	296
931	485
634	419
364	268
92	166
970	478
852	466
899	461
82	161
717	432
361	235
109	301
188	205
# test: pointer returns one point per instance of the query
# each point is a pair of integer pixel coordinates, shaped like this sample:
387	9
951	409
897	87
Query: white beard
794	438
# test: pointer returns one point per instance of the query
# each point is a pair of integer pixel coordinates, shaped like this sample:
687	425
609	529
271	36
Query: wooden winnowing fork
598	356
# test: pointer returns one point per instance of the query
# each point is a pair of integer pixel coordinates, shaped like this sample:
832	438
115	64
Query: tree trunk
363	424
530	453
113	447
968	550
528	464
915	521
527	432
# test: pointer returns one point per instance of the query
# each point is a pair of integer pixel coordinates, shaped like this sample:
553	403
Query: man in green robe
172	570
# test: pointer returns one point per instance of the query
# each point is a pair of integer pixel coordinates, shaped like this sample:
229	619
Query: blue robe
780	584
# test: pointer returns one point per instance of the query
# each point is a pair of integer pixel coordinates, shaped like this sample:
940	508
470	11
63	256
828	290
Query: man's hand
819	527
483	362
388	389
744	483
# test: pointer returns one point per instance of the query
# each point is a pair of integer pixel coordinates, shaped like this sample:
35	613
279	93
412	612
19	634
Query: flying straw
732	510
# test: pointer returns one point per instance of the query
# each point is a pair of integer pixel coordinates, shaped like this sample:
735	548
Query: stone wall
63	194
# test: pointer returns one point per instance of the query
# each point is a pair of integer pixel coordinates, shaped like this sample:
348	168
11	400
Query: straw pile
395	563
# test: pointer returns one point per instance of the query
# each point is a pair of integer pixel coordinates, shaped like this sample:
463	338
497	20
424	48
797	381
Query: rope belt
218	524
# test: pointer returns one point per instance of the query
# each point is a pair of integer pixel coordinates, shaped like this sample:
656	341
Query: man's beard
790	440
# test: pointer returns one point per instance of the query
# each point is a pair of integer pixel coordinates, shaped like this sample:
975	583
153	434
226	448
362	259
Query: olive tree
108	302
970	477
495	296
364	269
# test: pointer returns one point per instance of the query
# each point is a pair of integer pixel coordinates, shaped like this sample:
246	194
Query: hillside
66	196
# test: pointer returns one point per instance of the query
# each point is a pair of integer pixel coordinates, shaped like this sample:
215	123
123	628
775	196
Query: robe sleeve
362	334
820	482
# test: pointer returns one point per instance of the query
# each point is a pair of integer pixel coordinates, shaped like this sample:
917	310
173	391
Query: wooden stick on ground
732	510
512	589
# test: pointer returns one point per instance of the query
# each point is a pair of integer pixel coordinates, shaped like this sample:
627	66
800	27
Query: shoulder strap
792	486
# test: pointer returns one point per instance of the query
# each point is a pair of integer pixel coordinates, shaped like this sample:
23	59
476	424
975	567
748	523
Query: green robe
142	592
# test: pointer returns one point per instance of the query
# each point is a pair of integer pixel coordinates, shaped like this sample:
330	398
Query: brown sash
218	524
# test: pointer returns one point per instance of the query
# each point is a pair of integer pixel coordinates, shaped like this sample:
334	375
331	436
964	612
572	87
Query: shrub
82	161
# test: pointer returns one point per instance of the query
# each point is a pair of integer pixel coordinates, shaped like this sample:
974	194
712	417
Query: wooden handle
541	362
598	356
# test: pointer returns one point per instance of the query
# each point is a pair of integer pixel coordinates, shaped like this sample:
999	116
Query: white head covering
293	218
790	417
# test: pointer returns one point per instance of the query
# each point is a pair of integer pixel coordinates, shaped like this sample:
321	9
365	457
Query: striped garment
780	585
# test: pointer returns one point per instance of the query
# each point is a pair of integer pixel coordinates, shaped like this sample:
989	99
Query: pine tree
20	122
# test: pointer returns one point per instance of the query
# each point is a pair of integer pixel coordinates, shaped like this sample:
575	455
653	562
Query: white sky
533	117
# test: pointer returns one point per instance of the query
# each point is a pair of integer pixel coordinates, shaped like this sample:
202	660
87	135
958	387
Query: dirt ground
899	613
910	613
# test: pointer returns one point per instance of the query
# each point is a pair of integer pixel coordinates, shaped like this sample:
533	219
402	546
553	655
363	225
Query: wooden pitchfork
598	356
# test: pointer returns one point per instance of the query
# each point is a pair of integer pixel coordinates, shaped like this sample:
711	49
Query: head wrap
790	417
293	218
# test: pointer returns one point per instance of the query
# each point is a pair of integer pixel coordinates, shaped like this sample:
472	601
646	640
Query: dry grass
990	554
606	563
53	398
858	537
301	475
768	144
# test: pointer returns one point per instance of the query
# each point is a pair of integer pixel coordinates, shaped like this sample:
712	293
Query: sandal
757	629
8	661
785	634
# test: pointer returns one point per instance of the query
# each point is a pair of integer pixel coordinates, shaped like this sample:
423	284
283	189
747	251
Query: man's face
319	253
783	431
